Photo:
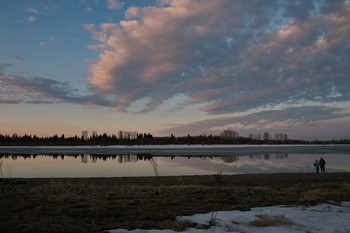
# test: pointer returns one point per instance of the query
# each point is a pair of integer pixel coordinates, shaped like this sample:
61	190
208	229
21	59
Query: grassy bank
97	204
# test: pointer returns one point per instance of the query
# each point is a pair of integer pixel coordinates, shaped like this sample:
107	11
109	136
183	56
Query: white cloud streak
32	10
281	120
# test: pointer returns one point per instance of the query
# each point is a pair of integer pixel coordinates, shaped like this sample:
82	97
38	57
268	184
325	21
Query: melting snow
323	218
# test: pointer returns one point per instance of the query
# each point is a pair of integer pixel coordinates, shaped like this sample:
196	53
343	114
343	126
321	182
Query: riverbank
98	204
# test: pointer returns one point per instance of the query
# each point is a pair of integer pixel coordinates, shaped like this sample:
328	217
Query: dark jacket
322	162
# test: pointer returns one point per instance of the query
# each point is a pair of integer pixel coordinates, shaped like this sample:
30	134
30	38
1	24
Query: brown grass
267	221
98	204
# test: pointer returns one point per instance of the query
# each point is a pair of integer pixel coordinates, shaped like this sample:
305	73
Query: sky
175	67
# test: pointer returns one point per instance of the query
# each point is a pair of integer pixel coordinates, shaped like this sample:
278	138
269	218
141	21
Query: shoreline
206	180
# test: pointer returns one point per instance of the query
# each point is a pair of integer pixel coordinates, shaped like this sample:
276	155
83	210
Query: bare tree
229	134
84	135
120	135
266	136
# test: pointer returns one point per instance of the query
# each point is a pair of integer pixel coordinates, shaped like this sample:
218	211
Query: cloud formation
16	58
32	10
114	4
43	43
281	120
3	66
243	63
231	56
16	89
31	19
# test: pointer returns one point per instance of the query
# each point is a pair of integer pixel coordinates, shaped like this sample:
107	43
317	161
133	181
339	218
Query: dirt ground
98	204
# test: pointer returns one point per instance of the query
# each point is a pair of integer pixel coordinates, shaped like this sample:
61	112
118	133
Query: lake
169	160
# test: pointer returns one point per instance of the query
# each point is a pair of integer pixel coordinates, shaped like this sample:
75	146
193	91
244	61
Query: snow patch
323	218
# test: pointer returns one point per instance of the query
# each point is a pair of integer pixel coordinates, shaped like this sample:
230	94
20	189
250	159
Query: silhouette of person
317	165
322	165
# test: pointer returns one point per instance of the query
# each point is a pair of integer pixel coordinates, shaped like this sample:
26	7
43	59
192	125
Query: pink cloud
227	56
114	4
43	44
89	27
31	19
32	10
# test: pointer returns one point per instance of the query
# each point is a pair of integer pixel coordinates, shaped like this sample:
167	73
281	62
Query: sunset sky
175	67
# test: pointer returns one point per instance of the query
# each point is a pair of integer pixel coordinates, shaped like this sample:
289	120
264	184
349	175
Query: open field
97	204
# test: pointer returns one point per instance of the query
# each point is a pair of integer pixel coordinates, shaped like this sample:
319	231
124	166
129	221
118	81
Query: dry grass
267	221
94	205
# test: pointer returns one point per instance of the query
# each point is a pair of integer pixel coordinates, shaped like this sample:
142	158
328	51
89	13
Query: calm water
119	161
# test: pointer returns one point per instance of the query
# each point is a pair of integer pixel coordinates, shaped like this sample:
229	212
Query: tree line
134	138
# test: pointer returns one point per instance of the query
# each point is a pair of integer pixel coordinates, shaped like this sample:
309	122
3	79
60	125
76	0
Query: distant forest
134	138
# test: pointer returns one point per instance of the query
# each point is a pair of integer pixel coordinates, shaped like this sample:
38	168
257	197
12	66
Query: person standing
317	165
322	165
